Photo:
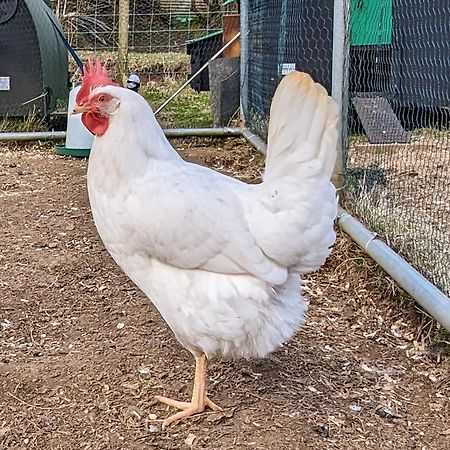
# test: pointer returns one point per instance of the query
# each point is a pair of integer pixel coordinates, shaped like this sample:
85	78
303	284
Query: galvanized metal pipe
432	300
33	136
245	58
169	132
254	140
282	41
339	50
339	77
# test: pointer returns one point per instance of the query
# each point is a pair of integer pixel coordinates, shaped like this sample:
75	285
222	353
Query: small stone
152	416
322	431
152	429
355	408
134	412
120	326
6	324
385	411
4	432
189	441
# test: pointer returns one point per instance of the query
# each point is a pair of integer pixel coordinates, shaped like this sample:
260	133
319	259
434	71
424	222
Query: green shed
371	39
371	22
33	59
399	51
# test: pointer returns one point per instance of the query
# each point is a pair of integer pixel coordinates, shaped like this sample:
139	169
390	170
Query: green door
370	22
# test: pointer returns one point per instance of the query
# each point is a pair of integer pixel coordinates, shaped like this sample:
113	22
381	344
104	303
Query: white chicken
220	259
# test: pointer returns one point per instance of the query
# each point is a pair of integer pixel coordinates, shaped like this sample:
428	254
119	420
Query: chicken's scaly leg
199	398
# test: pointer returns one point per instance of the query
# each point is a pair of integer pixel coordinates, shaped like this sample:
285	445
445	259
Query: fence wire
398	166
397	157
283	36
168	40
155	26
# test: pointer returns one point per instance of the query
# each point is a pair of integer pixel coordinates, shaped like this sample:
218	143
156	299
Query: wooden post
122	51
231	26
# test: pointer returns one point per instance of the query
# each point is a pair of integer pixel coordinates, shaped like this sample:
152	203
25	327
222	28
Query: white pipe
245	61
254	140
338	61
169	132
199	71
33	136
339	77
435	302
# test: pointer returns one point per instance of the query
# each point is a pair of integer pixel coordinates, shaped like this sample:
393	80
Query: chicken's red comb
94	75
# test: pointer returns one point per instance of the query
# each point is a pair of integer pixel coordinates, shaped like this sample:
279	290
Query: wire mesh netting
162	34
283	36
167	41
397	117
155	26
398	166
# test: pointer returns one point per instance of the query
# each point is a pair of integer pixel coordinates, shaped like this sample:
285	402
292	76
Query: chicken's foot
199	398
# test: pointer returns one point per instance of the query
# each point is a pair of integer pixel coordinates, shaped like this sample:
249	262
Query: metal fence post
282	37
339	80
244	10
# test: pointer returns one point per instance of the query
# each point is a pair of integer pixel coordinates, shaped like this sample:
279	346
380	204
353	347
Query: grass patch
144	64
32	122
189	109
161	74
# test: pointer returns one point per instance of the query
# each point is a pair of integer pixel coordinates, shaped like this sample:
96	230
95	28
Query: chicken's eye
101	98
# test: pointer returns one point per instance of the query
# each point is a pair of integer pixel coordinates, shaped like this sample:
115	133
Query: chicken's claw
199	398
187	409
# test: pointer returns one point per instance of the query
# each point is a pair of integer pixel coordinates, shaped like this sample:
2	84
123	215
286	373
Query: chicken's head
96	106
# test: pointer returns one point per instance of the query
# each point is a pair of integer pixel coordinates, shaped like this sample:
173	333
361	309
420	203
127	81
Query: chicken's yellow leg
199	398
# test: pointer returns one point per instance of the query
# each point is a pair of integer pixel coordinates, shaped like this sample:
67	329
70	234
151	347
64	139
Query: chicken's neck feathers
134	138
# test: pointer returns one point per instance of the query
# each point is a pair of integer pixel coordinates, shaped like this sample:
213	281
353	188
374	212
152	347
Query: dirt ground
83	352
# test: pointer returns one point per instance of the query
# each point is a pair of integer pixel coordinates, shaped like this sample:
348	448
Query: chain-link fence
397	157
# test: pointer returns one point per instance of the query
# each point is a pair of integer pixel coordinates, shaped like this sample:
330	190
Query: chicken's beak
78	109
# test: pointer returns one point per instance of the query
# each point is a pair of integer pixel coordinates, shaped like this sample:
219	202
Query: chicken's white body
221	260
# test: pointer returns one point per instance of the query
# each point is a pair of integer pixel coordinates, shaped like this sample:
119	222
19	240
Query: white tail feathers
302	130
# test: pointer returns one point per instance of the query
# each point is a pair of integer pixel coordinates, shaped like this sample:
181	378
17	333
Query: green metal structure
33	60
371	22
